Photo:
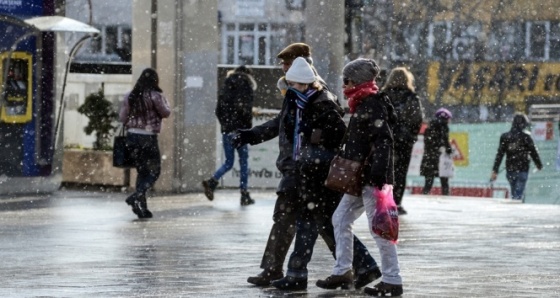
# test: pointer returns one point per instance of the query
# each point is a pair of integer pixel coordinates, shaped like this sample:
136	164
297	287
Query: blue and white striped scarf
301	102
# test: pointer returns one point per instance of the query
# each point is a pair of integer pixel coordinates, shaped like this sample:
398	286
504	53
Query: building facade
484	59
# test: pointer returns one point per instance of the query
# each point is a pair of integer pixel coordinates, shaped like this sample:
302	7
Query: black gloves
449	151
378	181
241	137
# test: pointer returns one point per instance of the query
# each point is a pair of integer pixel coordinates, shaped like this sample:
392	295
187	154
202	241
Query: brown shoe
332	282
265	278
383	289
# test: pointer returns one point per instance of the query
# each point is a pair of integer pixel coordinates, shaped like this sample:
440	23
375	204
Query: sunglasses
346	81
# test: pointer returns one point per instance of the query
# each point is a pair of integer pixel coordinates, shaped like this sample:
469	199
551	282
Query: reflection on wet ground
89	244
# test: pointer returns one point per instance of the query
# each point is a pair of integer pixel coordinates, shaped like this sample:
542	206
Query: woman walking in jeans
142	112
369	131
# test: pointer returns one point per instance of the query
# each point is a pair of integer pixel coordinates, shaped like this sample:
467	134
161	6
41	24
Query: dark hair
244	69
520	121
147	82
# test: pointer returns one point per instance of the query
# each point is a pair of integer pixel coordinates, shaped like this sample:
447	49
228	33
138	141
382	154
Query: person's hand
449	151
240	137
494	176
378	181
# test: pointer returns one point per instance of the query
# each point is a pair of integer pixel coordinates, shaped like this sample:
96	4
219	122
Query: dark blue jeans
517	182
229	152
147	161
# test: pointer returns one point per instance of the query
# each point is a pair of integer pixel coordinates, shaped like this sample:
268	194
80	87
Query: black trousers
403	153
430	181
286	211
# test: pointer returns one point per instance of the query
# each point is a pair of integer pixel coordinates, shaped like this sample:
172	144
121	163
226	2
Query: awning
60	24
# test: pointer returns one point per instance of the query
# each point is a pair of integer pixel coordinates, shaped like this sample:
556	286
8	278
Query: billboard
492	83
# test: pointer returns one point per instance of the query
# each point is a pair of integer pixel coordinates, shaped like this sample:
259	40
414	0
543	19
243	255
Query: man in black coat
517	145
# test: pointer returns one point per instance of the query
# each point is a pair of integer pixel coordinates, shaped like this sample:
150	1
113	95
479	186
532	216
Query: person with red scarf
369	140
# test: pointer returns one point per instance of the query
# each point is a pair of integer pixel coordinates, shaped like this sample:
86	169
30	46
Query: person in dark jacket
234	111
517	145
410	114
142	112
436	141
369	140
315	129
285	210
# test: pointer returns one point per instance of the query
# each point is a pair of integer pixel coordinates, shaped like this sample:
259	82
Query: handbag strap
123	127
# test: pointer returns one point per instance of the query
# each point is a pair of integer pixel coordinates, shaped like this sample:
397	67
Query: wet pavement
89	244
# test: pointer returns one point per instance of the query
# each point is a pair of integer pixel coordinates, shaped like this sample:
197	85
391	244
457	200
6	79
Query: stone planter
93	168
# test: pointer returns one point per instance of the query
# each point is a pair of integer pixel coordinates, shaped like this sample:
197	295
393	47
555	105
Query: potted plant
102	117
95	166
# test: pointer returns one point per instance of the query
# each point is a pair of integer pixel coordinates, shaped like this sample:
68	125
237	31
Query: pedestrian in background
436	141
410	114
517	145
142	112
285	210
234	111
369	140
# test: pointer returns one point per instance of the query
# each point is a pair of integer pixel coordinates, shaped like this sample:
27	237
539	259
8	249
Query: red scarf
359	92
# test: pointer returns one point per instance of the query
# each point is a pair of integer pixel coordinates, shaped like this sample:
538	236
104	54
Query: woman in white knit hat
315	127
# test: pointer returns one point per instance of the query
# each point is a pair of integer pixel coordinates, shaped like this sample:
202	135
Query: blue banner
22	8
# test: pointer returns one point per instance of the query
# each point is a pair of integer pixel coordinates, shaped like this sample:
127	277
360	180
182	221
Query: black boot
246	198
265	278
367	277
383	289
290	283
332	282
141	206
131	201
209	187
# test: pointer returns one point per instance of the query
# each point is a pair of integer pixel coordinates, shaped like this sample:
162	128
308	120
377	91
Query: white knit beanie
300	72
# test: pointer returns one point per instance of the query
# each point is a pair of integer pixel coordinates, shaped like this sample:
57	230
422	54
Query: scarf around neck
301	101
359	92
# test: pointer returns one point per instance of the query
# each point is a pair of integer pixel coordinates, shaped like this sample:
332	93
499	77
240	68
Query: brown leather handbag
345	176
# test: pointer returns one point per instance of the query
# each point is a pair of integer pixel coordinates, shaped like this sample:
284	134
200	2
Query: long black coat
435	137
322	129
235	102
409	115
370	127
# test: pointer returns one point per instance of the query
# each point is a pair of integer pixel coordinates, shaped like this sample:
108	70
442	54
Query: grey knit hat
361	70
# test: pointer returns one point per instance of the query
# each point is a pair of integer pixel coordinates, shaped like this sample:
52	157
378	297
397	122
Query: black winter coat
435	137
410	115
370	127
276	128
322	129
235	102
517	145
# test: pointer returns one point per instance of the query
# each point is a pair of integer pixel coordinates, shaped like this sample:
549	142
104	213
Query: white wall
78	87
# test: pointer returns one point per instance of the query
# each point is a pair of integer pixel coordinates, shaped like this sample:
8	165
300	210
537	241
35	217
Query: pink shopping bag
385	221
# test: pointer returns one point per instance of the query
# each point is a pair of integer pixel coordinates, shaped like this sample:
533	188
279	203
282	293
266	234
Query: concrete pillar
184	51
324	32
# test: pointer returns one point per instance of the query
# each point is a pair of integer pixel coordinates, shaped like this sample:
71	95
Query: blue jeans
147	160
517	182
229	151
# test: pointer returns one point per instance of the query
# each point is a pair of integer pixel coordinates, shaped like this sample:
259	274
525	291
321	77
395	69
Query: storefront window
251	43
